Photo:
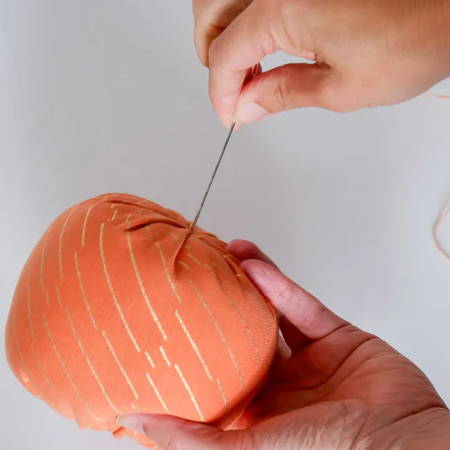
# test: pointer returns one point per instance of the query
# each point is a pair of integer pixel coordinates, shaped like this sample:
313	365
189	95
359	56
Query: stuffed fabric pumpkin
120	308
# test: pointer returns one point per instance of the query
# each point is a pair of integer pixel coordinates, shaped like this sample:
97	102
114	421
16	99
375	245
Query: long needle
205	196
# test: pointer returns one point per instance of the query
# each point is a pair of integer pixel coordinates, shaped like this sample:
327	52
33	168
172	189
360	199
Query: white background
109	96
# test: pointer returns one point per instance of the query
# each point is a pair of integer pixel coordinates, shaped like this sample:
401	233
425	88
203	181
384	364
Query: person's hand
366	53
341	388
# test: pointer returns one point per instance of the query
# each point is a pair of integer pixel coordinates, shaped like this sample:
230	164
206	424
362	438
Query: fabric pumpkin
120	308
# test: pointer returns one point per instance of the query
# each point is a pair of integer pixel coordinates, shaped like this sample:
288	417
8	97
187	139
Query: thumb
288	87
172	433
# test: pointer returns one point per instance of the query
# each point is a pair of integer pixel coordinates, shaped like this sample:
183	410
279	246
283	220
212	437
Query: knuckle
281	92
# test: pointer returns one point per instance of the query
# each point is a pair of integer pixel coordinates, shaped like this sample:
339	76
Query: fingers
299	307
211	18
178	434
242	45
258	31
288	430
290	335
288	87
242	250
204	34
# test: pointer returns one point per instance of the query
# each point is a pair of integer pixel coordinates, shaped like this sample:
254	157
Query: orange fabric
119	309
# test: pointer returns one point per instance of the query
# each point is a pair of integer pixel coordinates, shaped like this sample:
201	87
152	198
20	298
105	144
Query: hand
366	53
340	388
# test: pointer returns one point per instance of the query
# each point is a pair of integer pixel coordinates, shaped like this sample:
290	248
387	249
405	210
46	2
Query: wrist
437	17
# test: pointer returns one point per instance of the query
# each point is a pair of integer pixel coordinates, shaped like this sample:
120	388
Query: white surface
108	96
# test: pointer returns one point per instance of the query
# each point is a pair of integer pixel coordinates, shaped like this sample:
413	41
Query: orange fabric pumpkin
121	309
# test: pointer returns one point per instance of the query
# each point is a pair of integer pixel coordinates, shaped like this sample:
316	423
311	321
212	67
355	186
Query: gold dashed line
58	296
114	215
117	360
82	290
33	355
149	359
28	301
155	389
61	237
164	354
41	370
24	370
193	344
41	268
183	264
85	221
111	289
66	370
222	392
189	390
219	330
88	213
167	272
88	361
142	287
236	309
190	255
47	299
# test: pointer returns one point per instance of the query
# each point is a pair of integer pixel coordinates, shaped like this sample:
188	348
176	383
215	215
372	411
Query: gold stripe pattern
167	272
58	296
149	359
219	330
85	222
66	370
88	361
61	237
47	299
222	392
155	389
41	267
83	291
193	344
111	289
42	371
24	369
142	287
191	256
189	391
235	308
183	264
164	354
29	313
119	364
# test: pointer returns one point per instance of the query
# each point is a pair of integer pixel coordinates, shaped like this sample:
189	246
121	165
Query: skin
340	387
364	53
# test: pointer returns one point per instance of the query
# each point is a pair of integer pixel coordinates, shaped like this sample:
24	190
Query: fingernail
248	111
133	422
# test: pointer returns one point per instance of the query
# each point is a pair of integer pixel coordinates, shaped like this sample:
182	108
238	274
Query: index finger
303	310
241	46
